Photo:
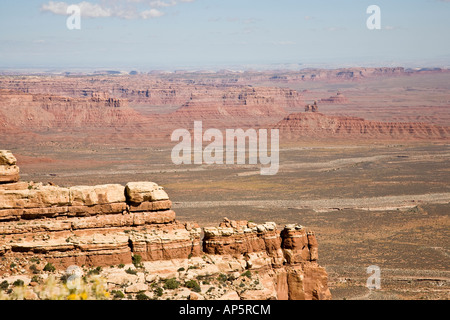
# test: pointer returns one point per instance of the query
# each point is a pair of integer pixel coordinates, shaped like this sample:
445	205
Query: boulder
41	197
7	158
137	287
231	295
138	192
93	195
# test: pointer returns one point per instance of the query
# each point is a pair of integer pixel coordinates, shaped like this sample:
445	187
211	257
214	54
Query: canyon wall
110	224
318	126
40	112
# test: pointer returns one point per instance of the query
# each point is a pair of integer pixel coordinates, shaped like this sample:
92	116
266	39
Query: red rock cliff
107	225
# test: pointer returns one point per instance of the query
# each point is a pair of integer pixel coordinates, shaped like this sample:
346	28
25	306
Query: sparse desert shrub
117	294
137	259
158	291
222	277
95	271
35	260
49	267
231	277
4	285
171	284
18	283
34	269
131	271
142	296
193	285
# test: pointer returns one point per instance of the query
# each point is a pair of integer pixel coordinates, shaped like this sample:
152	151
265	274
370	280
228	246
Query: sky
149	35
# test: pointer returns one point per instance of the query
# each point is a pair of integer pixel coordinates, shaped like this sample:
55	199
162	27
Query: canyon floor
370	202
384	205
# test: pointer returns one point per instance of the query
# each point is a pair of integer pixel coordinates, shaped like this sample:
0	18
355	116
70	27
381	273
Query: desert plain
369	172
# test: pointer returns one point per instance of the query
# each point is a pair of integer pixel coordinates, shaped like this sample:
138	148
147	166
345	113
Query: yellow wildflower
72	296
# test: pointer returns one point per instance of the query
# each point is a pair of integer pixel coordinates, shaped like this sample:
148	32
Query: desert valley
363	165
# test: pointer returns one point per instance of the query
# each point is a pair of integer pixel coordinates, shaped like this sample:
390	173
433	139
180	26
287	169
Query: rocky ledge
133	227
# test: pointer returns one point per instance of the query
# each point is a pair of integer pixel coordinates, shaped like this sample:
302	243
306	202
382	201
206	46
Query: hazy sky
170	34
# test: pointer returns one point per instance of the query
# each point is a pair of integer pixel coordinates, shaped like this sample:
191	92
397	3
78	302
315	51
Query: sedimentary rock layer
319	126
9	171
109	224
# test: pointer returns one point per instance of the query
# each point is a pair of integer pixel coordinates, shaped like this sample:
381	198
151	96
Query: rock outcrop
289	257
9	171
107	225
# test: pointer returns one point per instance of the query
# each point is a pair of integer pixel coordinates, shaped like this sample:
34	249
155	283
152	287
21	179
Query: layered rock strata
107	225
320	126
9	171
288	257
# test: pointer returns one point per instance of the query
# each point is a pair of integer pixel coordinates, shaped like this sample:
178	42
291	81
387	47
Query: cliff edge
134	226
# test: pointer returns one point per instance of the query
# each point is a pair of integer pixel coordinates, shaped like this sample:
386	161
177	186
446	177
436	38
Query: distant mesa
317	126
339	98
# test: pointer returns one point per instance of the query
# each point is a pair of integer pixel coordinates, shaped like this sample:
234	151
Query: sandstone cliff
235	107
298	126
111	224
42	112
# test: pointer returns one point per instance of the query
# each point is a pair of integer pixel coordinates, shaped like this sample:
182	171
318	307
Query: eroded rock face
138	192
291	254
9	172
318	126
107	225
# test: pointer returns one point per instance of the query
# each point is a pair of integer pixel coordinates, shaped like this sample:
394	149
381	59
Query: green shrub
4	285
222	277
137	259
35	260
231	277
159	291
142	296
247	274
95	271
171	284
121	266
117	294
18	283
131	271
49	267
34	269
193	285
